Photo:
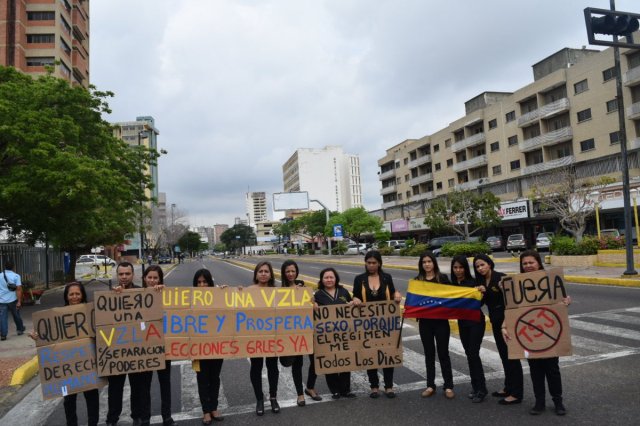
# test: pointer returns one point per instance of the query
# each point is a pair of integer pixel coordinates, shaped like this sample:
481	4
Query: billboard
290	201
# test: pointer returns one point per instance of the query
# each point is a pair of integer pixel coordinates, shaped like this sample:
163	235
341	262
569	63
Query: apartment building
328	175
35	34
256	205
506	141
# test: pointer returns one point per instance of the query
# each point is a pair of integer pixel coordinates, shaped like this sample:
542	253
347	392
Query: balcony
424	196
388	190
548	165
633	144
472	184
480	160
474	140
633	111
419	161
551	138
421	179
388	174
555	108
528	118
631	77
79	23
389	204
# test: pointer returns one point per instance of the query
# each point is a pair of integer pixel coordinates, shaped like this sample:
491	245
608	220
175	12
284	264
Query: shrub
563	246
608	242
341	248
386	250
415	250
325	251
468	248
588	245
311	251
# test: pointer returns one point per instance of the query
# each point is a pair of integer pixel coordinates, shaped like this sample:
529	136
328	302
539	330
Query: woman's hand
34	335
505	334
567	300
397	297
315	306
481	288
118	289
224	286
355	301
158	287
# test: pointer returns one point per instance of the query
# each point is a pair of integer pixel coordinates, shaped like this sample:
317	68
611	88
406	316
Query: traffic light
612	23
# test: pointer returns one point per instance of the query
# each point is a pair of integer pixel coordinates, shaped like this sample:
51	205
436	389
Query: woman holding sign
489	280
330	292
263	277
542	368
74	294
207	370
373	286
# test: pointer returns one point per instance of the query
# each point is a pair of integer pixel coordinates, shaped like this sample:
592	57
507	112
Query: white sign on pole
290	201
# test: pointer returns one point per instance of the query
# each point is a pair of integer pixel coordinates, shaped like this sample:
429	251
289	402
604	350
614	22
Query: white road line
593	345
623	319
26	413
605	329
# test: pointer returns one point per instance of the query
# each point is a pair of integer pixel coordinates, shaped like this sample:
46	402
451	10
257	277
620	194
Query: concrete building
568	116
256	205
35	34
328	175
218	229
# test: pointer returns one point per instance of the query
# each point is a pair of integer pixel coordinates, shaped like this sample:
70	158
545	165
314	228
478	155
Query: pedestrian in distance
375	285
208	370
435	330
75	294
289	277
153	277
263	277
542	368
489	280
10	300
330	292
471	332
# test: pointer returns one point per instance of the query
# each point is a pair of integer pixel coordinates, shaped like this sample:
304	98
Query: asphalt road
601	380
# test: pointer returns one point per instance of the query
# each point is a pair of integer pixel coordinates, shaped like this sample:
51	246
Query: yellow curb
25	372
622	282
615	265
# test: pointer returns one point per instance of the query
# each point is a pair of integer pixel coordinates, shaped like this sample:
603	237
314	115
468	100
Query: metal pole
598	218
140	251
635	214
327	215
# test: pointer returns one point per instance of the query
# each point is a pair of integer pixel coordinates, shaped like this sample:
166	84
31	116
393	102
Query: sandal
428	392
313	395
205	421
390	393
374	393
449	393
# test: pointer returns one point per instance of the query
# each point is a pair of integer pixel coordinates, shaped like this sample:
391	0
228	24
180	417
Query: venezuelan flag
441	301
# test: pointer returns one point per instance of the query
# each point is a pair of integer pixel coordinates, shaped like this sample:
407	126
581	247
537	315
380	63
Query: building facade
35	34
328	175
256	206
506	142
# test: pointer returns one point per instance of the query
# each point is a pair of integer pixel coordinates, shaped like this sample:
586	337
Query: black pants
93	407
374	380
471	335
272	374
164	378
209	383
296	372
140	400
550	369
512	368
311	375
339	382
436	330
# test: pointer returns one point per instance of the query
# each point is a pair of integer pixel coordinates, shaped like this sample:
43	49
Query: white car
356	249
95	259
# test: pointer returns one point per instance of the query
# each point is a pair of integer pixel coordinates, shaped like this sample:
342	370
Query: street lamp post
141	134
595	197
634	195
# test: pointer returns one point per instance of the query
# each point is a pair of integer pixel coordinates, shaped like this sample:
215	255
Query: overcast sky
235	86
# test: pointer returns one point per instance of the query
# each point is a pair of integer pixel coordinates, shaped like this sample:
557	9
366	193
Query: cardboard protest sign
64	324
129	331
351	338
202	323
535	317
68	367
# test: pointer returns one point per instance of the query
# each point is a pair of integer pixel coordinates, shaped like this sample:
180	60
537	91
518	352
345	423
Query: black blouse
362	291
493	296
342	296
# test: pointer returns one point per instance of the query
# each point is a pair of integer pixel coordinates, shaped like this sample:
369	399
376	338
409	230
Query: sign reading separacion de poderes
514	210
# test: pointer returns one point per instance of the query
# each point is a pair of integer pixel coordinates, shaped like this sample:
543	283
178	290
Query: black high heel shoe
275	407
260	407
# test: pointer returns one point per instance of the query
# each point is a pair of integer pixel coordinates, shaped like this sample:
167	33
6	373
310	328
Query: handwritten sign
202	323
129	332
351	338
64	324
536	319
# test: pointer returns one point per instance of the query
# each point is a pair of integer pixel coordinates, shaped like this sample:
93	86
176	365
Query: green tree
238	236
463	212
355	222
191	243
64	177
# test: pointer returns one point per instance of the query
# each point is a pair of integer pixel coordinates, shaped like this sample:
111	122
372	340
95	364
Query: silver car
543	240
516	242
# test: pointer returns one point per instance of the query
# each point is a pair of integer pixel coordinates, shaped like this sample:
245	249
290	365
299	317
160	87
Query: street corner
17	371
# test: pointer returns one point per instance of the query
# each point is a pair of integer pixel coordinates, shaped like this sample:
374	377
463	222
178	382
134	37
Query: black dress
298	361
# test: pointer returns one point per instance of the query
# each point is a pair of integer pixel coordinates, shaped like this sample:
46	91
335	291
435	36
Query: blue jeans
5	308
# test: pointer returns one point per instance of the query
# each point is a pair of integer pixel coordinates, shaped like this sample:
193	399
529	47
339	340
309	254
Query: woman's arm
395	295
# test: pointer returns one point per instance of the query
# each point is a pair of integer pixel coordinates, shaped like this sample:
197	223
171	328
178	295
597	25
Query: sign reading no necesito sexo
351	338
536	319
129	335
66	350
202	323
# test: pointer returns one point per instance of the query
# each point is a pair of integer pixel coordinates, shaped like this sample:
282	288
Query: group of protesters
372	285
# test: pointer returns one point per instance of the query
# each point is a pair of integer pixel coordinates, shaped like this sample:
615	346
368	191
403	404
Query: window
40	61
406	160
581	86
497	170
408	194
436	147
614	138
633	60
447	143
438	167
612	105
41	38
584	115
398	180
513	140
65	25
397	164
493	124
587	145
41	16
406	178
495	146
609	74
439	186
451	183
450	162
399	196
65	46
510	116
515	165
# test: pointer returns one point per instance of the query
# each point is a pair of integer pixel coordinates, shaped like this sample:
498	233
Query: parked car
356	249
610	233
543	240
436	243
516	242
495	243
95	259
164	258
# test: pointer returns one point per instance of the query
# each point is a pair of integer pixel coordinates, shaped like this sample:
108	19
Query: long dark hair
479	277
152	268
283	277
204	273
324	271
535	255
377	256
422	274
272	280
65	294
462	260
